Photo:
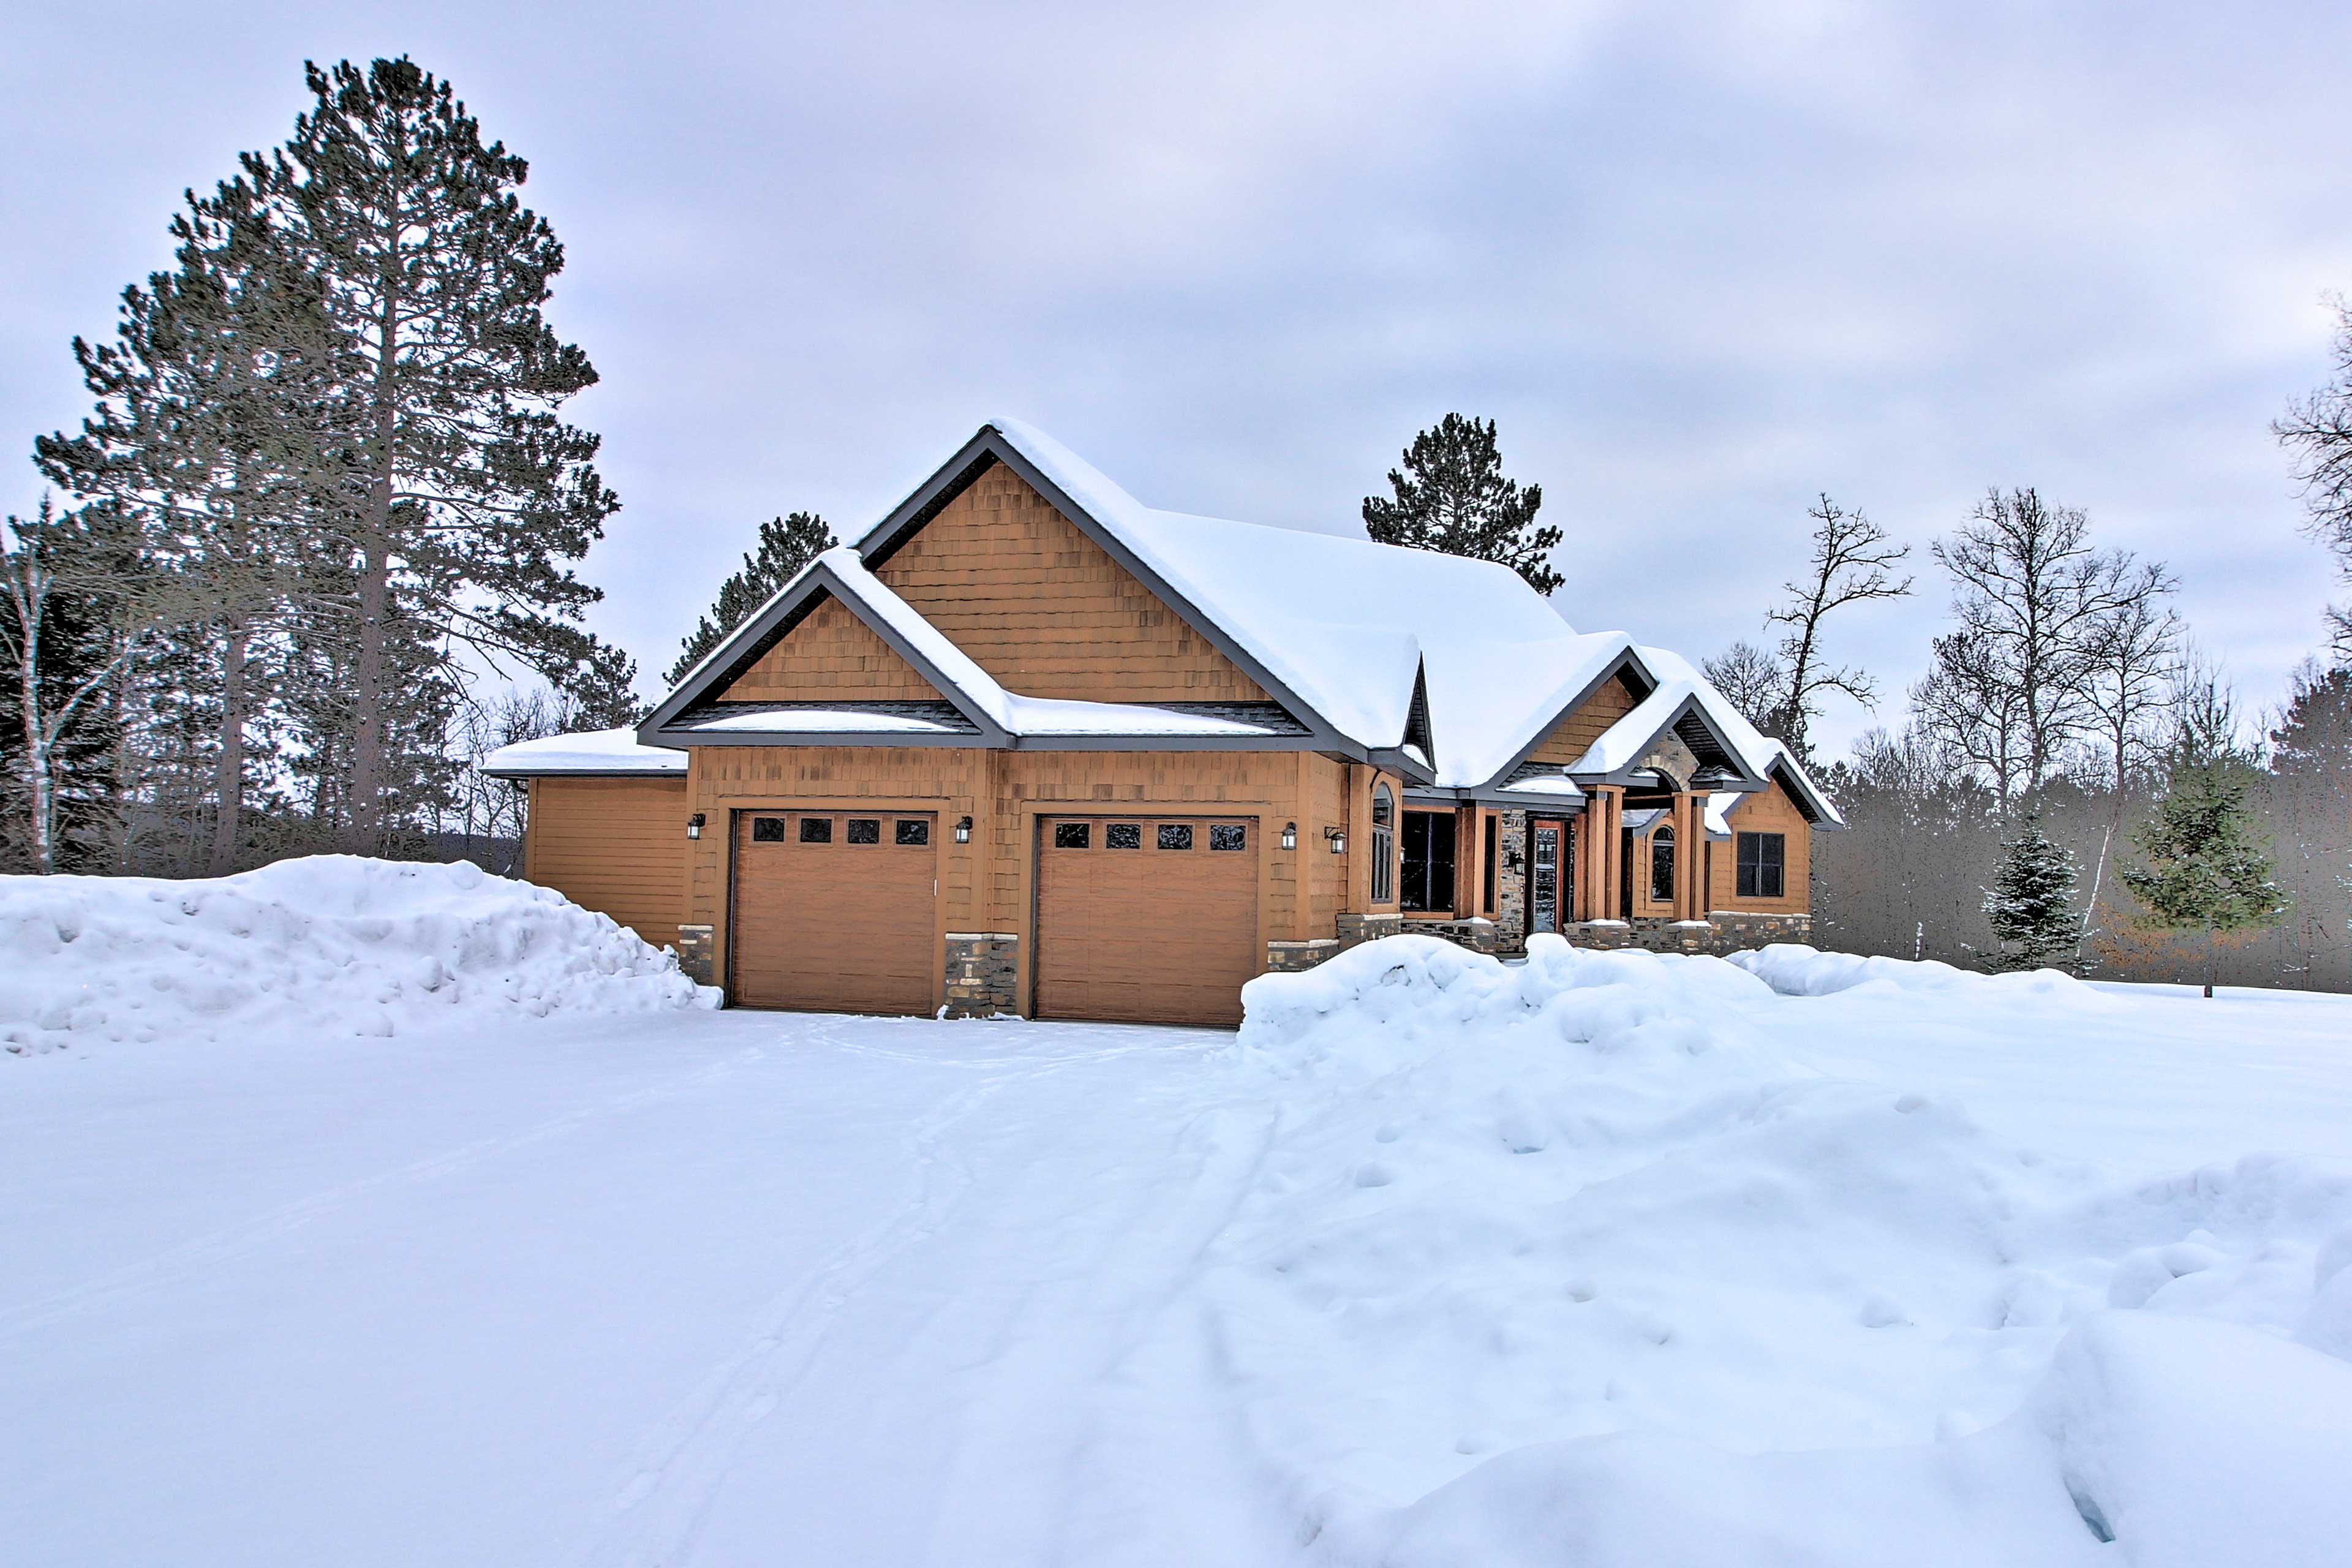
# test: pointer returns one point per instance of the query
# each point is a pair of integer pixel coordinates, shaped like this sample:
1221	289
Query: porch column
1690	857
1605	811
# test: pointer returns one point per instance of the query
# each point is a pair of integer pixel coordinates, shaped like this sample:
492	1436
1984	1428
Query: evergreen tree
215	432
2206	869
786	544
468	496
1451	496
2031	904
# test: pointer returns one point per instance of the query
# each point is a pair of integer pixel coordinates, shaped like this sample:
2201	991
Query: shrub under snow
333	945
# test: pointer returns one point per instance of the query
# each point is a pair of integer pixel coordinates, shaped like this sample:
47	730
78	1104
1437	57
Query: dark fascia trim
1417	728
769	626
1393	758
1626	660
1511	800
1808	798
987	445
1637	777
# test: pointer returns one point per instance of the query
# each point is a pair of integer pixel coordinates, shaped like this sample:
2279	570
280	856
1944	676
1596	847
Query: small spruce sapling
2031	904
2206	869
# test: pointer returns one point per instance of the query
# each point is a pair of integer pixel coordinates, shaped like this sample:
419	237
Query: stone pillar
982	974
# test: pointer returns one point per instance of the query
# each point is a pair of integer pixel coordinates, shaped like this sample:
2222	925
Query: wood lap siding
830	652
1566	745
1773	811
615	846
1045	610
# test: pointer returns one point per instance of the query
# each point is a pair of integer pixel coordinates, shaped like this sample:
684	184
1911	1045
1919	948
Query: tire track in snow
247	1236
660	1512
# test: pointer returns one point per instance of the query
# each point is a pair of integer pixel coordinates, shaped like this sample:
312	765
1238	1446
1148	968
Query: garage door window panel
816	830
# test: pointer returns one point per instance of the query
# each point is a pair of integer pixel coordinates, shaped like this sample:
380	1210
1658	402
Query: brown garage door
1145	919
834	911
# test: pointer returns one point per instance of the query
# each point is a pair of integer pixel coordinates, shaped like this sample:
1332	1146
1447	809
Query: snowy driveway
738	1288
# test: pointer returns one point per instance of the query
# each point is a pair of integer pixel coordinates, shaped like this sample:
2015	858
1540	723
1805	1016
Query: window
1662	866
1123	836
1175	836
1763	860
1228	836
1384	845
767	830
1429	861
1073	834
816	830
1488	907
911	830
864	830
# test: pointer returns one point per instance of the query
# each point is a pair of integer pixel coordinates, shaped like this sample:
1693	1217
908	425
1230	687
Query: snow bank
1793	969
1568	1262
331	945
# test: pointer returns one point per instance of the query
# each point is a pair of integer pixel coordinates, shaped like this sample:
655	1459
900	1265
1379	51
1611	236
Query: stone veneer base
698	956
982	970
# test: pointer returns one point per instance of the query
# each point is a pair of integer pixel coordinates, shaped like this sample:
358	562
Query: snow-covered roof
1340	629
614	752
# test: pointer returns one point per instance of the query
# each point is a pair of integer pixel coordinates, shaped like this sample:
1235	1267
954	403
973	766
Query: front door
1551	872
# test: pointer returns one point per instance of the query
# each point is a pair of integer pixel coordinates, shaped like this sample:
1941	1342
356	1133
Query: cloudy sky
1700	261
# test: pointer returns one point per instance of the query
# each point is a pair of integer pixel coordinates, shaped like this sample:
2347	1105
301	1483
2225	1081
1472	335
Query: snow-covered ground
1602	1259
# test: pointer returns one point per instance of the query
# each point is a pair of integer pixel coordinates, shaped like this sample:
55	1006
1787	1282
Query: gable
1567	745
1045	610
830	654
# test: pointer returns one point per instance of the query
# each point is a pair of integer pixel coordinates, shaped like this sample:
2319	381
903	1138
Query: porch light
694	826
1336	839
1291	836
963	830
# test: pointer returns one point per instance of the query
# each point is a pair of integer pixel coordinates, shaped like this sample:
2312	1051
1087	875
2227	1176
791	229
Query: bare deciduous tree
1752	678
2016	683
1852	562
2318	430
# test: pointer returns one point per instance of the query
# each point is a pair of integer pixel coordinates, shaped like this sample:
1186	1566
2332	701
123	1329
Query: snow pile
1793	969
331	945
1565	1263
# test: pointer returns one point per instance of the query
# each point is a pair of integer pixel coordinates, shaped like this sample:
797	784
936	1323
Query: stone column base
982	969
697	954
1290	957
1354	928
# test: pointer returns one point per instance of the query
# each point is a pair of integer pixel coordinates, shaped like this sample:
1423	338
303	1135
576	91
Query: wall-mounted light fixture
963	830
1291	836
1336	839
694	826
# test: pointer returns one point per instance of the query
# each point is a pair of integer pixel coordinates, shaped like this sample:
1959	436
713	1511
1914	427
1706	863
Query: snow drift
1566	1263
333	945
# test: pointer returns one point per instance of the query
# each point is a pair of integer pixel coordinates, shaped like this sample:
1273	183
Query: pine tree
786	544
469	497
2207	869
2031	904
1451	496
215	432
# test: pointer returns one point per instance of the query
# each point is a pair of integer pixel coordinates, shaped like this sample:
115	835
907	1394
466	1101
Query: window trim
1662	845
1748	871
1384	849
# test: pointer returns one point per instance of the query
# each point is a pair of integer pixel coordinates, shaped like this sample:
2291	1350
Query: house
1029	746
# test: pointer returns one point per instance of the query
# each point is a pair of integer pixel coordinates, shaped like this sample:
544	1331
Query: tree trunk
229	776
37	755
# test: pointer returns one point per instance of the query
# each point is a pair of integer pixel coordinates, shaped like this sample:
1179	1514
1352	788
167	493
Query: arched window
1384	843
1662	865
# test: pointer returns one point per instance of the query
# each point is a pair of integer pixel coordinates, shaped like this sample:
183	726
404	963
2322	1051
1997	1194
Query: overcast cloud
1700	261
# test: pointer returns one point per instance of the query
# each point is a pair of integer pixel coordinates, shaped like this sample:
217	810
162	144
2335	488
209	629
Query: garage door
834	911
1145	919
